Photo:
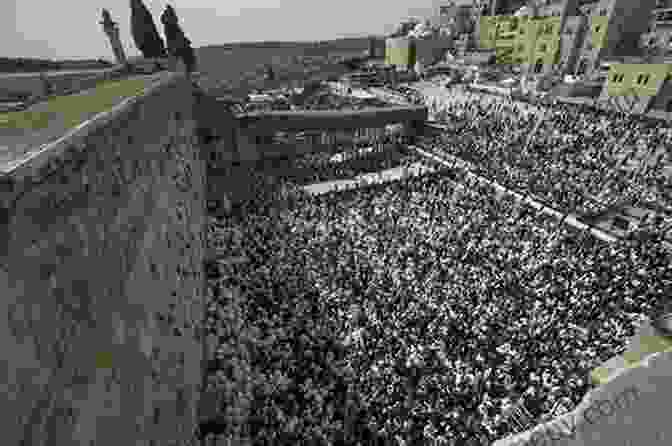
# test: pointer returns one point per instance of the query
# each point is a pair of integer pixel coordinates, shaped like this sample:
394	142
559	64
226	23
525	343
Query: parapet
630	406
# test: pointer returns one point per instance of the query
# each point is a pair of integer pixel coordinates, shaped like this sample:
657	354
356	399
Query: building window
542	47
618	77
598	28
538	66
603	12
583	66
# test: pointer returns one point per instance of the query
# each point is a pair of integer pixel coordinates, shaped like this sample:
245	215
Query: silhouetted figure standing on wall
178	44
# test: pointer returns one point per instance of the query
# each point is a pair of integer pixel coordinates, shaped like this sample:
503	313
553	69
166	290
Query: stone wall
101	257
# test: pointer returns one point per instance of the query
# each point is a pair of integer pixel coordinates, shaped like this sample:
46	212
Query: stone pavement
369	179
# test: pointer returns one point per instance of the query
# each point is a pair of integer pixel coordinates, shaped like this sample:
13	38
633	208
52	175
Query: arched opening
538	66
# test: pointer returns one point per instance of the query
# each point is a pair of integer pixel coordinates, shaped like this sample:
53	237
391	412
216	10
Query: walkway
56	73
27	133
369	179
569	219
418	169
303	120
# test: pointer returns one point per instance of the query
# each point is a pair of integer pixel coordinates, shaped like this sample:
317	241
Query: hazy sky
70	29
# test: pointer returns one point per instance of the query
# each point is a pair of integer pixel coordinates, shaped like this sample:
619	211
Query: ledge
34	154
645	343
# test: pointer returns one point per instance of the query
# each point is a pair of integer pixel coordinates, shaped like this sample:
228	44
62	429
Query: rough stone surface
102	284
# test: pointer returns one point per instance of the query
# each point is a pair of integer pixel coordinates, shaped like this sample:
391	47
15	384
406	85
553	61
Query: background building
638	87
400	52
657	40
454	19
615	29
572	36
505	7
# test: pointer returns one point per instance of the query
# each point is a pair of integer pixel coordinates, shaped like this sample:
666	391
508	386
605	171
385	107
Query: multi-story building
505	7
639	87
429	51
615	27
506	37
455	18
531	42
570	36
400	52
546	46
463	44
658	38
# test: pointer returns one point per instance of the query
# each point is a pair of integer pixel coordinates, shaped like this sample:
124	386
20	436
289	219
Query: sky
69	29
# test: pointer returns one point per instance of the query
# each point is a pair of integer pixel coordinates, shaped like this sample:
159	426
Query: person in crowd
420	310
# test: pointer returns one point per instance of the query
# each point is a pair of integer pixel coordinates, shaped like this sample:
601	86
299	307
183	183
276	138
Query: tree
178	44
144	32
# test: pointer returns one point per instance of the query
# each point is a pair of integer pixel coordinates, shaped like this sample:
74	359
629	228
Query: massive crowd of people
417	311
320	100
345	163
573	158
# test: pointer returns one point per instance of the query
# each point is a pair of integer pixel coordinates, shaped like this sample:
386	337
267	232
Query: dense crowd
328	101
346	163
574	158
414	312
320	100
